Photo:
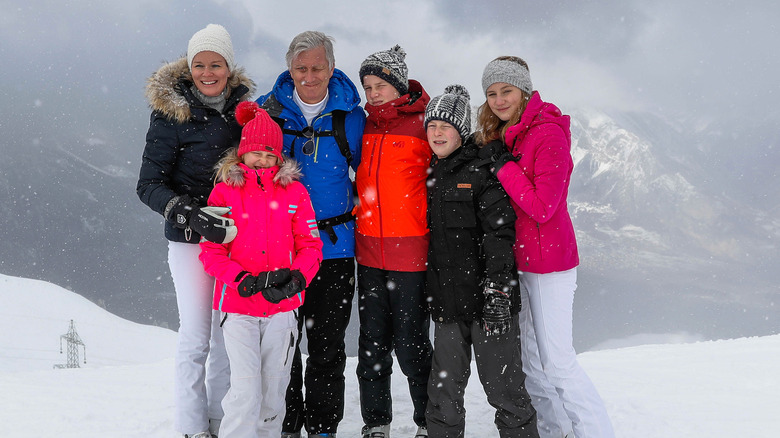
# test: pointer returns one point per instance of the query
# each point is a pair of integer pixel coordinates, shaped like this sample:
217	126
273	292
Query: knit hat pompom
260	132
388	65
246	110
212	38
458	90
453	107
512	71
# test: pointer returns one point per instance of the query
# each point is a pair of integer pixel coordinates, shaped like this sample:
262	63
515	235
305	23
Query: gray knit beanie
390	66
213	38
453	107
510	72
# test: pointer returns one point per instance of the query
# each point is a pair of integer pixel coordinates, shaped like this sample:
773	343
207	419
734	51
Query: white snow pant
202	370
261	354
561	392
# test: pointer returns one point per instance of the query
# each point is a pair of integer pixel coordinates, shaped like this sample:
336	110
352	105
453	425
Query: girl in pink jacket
262	273
529	142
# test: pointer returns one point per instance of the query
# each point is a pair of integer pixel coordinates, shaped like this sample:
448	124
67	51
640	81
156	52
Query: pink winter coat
276	229
538	185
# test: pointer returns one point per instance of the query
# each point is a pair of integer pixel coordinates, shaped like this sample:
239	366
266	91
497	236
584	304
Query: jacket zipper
378	203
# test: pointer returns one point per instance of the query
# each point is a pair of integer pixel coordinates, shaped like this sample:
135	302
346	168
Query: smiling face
210	73
443	138
378	91
311	74
504	100
259	159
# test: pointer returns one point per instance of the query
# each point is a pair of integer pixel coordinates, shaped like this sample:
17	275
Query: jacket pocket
458	208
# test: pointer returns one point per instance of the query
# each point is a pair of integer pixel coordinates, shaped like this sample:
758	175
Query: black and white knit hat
212	38
507	71
453	107
390	66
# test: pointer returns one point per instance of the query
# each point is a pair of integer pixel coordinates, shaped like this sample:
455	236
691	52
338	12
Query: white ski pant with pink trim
261	354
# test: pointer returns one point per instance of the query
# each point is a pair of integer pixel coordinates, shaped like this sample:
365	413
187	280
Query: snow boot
376	431
422	432
214	427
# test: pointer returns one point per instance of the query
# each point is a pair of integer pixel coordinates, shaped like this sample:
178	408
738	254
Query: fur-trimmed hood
167	95
288	172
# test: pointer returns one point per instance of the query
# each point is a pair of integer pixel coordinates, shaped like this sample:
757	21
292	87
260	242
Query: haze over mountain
675	193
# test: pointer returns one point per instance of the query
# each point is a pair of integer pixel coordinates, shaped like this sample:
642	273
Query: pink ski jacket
538	185
276	229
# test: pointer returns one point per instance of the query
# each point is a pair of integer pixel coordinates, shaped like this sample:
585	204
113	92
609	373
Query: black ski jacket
472	233
185	140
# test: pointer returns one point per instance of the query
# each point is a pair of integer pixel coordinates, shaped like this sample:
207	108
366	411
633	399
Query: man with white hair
318	108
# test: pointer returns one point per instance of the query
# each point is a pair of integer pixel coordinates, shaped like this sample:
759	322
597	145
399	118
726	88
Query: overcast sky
676	58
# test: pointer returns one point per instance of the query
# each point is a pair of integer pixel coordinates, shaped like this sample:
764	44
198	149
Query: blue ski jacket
326	173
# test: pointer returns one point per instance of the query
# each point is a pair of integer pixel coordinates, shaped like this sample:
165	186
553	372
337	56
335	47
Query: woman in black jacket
472	280
193	103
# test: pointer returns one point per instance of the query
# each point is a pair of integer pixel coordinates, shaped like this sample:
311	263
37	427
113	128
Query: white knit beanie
213	38
510	72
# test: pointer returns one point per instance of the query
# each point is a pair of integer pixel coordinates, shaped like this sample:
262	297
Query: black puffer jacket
472	233
185	140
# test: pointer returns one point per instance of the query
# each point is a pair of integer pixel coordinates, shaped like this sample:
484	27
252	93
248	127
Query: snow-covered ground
715	389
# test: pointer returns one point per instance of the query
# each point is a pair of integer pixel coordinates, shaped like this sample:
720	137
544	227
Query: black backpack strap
338	122
338	131
328	224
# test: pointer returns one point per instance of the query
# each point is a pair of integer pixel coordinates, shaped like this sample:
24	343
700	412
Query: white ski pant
261	354
202	374
561	392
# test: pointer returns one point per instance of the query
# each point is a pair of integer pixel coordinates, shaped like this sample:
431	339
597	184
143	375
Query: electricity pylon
74	341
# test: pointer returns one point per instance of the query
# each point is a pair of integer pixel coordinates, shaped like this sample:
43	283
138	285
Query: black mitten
278	293
209	223
496	313
252	284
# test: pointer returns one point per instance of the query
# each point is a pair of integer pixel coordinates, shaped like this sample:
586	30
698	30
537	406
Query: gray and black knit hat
507	71
390	66
453	107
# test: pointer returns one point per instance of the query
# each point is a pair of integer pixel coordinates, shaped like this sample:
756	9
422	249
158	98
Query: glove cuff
497	287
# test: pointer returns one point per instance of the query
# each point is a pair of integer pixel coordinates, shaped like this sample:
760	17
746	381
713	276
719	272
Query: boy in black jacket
471	279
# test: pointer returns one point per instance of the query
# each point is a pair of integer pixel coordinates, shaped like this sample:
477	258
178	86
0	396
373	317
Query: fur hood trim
165	96
289	172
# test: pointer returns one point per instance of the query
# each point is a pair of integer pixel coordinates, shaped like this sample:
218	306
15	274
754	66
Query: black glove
296	284
252	284
179	210
184	213
497	152
496	313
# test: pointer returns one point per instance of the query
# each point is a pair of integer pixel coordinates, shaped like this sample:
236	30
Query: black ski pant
325	312
393	316
500	370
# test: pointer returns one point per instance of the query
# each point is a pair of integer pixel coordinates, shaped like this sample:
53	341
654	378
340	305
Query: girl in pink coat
262	273
529	142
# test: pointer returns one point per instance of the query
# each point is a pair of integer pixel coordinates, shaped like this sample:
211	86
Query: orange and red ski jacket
392	232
